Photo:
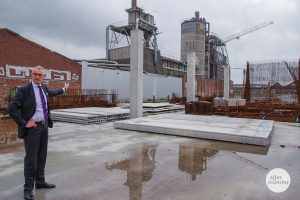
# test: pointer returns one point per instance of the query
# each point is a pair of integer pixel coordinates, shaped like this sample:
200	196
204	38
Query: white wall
99	78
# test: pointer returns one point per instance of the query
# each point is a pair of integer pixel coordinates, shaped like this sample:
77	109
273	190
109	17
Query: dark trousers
36	144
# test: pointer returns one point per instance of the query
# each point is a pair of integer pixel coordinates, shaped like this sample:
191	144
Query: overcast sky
76	28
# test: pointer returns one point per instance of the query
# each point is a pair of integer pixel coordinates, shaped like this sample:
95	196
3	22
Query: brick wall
18	55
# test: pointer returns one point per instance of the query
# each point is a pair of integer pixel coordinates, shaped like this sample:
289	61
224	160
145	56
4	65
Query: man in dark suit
30	110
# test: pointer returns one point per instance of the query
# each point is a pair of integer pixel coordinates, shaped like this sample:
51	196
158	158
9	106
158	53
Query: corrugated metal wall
97	78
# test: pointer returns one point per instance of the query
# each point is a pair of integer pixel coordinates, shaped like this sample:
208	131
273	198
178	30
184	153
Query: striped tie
44	105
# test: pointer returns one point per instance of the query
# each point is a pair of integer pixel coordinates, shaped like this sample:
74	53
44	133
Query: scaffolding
273	81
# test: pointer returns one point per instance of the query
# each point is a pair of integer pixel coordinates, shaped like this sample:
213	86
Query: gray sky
76	28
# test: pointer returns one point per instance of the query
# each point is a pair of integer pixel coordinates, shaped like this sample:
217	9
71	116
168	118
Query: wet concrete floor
96	162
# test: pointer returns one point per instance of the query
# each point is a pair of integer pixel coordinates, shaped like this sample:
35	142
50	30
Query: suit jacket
23	106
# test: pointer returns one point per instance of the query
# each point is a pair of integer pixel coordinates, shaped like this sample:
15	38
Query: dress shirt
39	114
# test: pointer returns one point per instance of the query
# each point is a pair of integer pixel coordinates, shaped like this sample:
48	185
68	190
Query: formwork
273	82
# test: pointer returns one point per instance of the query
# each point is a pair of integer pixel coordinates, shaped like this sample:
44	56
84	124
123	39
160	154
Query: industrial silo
193	39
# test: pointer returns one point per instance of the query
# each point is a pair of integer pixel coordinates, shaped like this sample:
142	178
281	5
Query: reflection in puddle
193	159
245	160
139	167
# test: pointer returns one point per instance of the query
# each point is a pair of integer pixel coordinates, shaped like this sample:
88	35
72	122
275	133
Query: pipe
298	83
107	41
108	65
133	3
97	61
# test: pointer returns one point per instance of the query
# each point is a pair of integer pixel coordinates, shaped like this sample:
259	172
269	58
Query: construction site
137	124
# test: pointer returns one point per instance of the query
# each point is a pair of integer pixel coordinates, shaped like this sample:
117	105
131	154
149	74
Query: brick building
17	57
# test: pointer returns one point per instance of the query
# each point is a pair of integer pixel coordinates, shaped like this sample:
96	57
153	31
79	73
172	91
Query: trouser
35	144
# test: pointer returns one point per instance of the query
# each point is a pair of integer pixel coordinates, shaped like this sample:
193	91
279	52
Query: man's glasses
37	74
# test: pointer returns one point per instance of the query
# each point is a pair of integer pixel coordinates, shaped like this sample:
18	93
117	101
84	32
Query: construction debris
277	112
201	107
158	108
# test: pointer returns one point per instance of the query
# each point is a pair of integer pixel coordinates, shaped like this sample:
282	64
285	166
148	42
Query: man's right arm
15	106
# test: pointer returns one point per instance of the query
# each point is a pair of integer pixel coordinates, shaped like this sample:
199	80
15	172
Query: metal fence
84	99
76	98
72	99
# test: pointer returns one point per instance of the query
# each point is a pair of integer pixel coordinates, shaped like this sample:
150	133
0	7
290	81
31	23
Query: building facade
19	55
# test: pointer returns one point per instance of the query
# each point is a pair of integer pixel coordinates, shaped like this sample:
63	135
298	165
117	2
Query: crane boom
247	31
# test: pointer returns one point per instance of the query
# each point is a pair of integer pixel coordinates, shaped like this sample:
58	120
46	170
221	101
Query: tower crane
222	45
247	31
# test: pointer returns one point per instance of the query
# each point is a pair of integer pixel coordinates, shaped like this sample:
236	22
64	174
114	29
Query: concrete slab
247	131
90	115
95	110
156	105
151	105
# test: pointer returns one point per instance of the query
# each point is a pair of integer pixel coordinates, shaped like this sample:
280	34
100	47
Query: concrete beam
85	74
154	88
226	81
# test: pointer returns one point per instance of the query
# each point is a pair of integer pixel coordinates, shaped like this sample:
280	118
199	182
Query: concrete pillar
136	73
84	74
191	67
154	88
226	81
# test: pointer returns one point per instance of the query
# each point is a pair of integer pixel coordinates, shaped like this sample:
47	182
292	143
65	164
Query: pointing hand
66	86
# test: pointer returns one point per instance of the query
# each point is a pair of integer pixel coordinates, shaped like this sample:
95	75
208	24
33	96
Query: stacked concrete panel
91	115
96	115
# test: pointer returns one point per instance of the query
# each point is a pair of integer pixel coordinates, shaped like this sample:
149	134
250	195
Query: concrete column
191	67
226	81
136	73
84	74
154	88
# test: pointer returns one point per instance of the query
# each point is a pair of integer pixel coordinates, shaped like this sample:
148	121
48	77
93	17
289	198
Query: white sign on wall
2	72
19	72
